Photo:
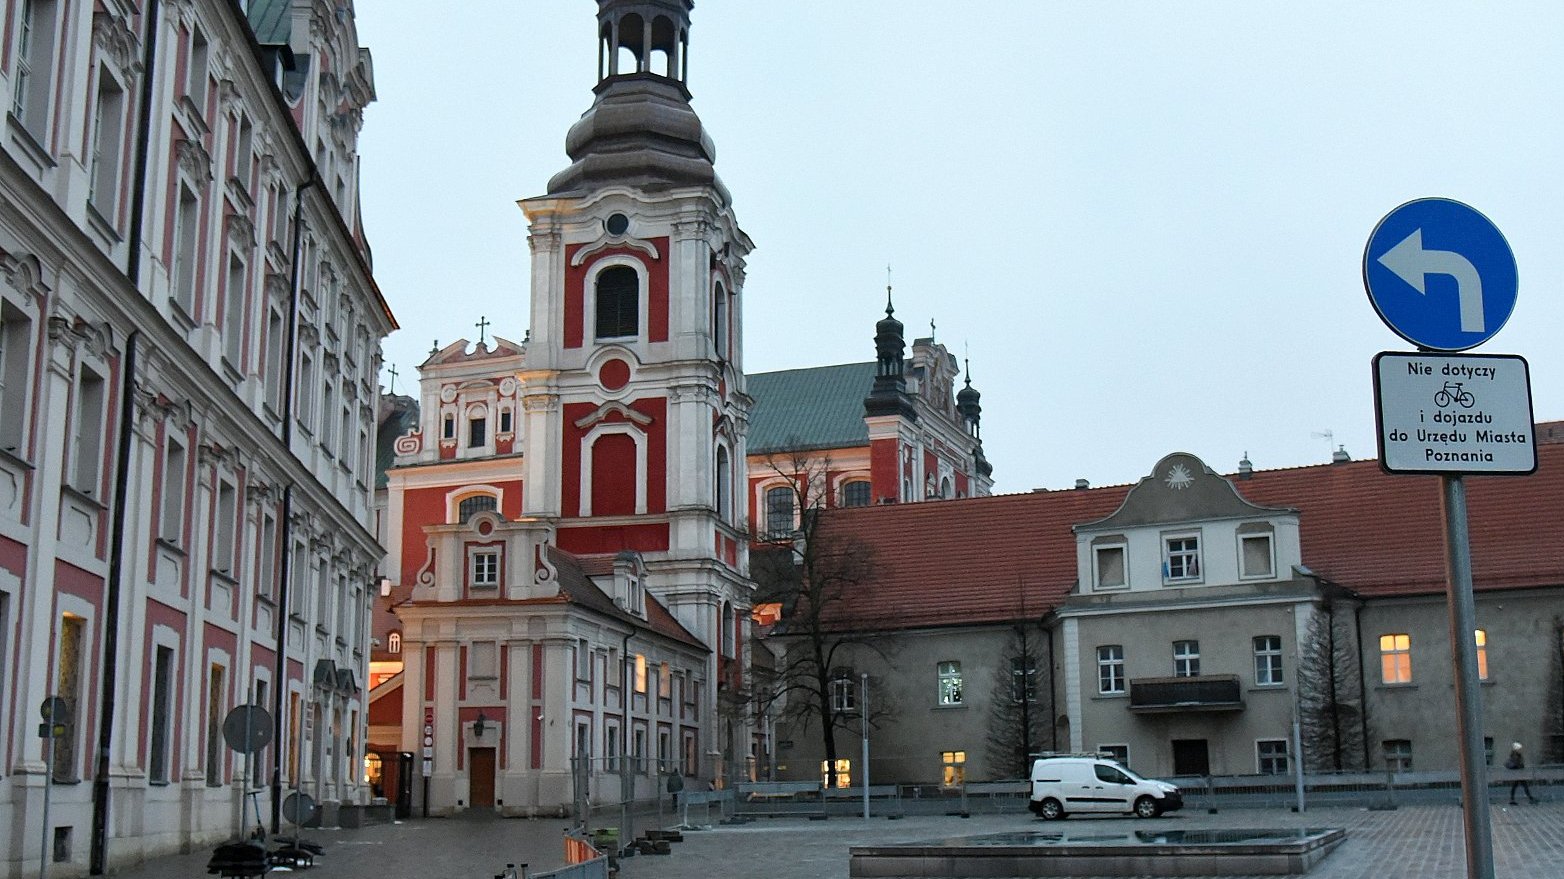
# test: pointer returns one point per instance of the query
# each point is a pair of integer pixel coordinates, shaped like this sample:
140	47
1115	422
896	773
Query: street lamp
478	725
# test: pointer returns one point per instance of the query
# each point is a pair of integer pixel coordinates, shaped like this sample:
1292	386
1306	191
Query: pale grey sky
1144	220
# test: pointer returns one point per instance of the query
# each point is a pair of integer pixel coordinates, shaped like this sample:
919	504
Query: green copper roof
818	408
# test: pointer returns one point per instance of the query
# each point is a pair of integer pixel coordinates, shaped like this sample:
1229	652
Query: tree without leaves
1554	725
1021	705
812	573
1330	698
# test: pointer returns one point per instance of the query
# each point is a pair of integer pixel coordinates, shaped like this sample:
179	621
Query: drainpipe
100	780
1363	712
98	859
286	531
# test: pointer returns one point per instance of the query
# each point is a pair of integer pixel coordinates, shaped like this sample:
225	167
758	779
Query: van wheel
1146	807
1050	810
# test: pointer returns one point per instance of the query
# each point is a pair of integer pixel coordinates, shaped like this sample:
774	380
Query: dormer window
1256	556
1108	571
1181	559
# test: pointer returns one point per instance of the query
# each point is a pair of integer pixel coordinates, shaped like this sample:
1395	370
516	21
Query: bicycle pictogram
1452	392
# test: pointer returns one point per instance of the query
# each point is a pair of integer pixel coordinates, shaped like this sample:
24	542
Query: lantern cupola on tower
889	393
641	130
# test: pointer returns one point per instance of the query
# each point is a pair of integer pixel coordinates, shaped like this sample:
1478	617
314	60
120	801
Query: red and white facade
189	343
569	566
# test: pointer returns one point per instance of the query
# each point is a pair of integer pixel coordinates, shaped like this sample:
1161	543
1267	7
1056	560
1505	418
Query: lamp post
863	723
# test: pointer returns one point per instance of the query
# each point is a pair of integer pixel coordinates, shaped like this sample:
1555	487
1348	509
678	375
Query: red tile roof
985	560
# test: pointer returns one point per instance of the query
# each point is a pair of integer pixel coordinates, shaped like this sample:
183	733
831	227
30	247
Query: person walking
1517	760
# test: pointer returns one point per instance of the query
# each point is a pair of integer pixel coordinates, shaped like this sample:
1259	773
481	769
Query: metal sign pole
48	787
864	726
1468	700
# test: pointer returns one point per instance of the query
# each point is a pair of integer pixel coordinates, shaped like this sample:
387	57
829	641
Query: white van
1062	785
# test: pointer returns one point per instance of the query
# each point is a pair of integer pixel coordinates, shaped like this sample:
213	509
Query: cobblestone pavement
1412	842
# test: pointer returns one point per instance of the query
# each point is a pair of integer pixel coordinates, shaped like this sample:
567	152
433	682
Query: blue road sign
1440	274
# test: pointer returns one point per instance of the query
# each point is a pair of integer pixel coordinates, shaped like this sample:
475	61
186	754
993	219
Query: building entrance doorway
480	777
1191	757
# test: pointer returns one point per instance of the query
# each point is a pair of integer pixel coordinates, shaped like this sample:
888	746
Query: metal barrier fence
583	862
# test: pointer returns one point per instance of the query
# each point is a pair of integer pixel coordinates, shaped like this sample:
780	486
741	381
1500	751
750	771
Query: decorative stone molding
194	160
70	332
611	408
115	39
544	570
425	576
544	241
228	96
276	286
692	230
212	453
410	443
24	273
241	231
260	493
540	402
607	242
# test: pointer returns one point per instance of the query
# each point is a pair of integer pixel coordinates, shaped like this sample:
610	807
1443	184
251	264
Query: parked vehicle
1063	785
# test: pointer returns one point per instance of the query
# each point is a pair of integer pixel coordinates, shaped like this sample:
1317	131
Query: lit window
844	773
618	302
640	673
1110	668
1398	755
1182	560
1482	655
955	768
1109	564
1255	556
486	569
1186	659
1268	660
1271	756
950	683
855	493
1395	659
664	681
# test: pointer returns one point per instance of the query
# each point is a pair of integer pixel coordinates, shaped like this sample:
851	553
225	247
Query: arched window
855	493
726	636
472	506
723	485
779	511
394	642
618	302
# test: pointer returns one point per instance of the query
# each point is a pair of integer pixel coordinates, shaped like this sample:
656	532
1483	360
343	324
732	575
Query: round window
616	224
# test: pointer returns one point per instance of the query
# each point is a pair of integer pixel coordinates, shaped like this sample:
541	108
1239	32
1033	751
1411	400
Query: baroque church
566	610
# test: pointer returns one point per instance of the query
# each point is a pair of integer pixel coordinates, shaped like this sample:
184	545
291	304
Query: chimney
1082	484
1245	468
1340	456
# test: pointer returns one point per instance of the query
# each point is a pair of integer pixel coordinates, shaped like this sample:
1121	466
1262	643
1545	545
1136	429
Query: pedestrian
1517	761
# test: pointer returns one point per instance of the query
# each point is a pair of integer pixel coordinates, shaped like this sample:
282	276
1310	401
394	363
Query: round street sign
1440	274
248	729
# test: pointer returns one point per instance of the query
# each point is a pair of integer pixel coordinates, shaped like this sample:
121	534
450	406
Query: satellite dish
298	807
248	729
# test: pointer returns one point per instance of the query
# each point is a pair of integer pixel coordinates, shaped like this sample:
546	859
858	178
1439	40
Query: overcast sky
1145	221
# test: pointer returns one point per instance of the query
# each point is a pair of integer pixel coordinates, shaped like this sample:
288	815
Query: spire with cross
483	326
393	379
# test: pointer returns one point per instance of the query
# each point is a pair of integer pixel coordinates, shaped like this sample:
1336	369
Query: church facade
568	567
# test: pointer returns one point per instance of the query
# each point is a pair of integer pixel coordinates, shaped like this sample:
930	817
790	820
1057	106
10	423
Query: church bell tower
635	405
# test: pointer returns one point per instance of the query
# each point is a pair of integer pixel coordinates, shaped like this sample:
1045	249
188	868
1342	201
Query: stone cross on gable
483	326
393	378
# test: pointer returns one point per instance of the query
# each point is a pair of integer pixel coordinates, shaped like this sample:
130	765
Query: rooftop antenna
1327	435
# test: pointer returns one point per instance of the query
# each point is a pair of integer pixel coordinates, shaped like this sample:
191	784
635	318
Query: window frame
1262	759
854	484
1397	754
483	567
844	694
1186	658
594	310
953	772
772	511
1120	547
1243	557
1398	652
1188	557
950	685
1480	636
1110	670
1268	659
